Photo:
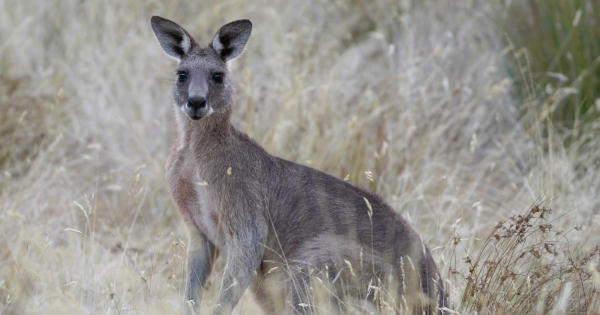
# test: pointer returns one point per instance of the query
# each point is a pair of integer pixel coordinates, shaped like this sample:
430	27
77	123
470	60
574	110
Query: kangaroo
277	222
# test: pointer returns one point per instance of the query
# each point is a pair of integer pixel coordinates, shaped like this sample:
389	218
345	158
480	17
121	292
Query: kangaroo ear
173	39
231	39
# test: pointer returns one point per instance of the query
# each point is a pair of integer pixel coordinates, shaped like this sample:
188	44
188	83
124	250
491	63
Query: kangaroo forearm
201	254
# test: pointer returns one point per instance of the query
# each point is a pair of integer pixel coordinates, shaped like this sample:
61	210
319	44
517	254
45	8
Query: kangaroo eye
218	78
181	76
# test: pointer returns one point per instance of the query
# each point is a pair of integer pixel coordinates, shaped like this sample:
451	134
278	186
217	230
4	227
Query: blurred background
463	114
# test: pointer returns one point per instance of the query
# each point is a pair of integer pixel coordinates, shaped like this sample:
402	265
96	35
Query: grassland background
429	99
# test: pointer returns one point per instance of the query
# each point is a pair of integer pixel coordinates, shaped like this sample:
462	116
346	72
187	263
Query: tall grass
562	40
410	100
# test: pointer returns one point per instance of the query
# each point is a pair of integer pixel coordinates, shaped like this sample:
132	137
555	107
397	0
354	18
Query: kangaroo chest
198	204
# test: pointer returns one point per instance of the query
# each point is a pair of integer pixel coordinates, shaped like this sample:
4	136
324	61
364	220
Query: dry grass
414	97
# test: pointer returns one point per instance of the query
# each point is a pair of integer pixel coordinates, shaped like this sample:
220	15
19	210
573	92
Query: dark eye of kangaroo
218	78
181	76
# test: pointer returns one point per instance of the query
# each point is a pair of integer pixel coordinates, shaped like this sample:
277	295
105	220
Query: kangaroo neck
215	129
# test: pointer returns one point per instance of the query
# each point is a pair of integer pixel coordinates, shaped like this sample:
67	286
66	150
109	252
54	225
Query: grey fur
265	212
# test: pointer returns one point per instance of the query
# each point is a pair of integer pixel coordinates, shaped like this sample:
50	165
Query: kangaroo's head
202	85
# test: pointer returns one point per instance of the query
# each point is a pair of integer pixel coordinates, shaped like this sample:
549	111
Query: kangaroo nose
196	102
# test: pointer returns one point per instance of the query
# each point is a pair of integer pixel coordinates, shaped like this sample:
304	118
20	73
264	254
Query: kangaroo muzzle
196	107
